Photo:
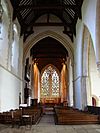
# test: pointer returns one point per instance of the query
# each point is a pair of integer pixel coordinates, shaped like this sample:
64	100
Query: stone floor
46	125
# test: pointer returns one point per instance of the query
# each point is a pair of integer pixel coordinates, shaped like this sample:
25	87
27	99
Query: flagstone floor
46	125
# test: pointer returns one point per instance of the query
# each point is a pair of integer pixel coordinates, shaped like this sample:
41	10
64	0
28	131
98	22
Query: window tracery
50	82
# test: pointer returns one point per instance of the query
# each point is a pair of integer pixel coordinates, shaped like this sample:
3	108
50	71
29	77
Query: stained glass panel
50	83
55	84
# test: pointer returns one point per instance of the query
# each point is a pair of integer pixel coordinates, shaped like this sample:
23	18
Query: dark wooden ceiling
28	11
49	51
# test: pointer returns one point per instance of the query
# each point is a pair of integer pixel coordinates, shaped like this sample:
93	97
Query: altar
51	100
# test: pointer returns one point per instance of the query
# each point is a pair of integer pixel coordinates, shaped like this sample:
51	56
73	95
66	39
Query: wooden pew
16	117
6	118
70	116
34	112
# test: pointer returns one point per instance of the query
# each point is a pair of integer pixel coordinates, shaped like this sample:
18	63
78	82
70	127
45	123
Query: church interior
50	64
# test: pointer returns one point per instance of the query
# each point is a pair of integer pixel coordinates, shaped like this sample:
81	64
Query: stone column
33	81
98	35
84	78
85	92
70	83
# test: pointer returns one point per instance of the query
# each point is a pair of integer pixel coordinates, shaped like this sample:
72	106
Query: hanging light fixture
1	12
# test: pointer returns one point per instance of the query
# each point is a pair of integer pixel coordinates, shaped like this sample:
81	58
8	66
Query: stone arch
54	35
86	98
66	42
89	69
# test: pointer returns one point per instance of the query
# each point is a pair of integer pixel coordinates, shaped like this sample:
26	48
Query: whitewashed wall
9	88
10	81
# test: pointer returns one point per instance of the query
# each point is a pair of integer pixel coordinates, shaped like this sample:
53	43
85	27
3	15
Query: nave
50	52
47	125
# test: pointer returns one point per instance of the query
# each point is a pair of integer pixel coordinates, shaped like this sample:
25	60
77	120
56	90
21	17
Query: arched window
15	49
4	33
50	82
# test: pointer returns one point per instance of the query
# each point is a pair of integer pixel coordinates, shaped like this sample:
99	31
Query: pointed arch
64	41
48	66
90	77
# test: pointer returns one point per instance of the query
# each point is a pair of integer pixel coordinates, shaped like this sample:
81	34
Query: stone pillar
85	92
33	82
98	35
85	63
36	80
70	83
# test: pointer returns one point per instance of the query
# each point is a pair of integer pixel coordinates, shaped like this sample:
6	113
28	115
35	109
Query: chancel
49	65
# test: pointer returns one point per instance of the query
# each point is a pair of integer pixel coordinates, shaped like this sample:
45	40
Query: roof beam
62	7
64	23
48	24
48	56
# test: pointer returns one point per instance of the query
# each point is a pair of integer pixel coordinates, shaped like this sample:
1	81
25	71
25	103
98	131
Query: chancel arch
66	42
47	51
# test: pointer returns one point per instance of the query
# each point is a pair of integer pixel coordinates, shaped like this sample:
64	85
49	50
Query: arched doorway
93	101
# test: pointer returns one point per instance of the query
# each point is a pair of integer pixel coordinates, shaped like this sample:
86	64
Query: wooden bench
6	118
34	112
70	116
15	117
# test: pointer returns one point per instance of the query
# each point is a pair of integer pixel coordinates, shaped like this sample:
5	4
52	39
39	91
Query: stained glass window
50	82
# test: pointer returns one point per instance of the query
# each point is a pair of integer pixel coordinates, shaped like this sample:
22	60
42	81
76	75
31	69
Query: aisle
47	119
46	125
